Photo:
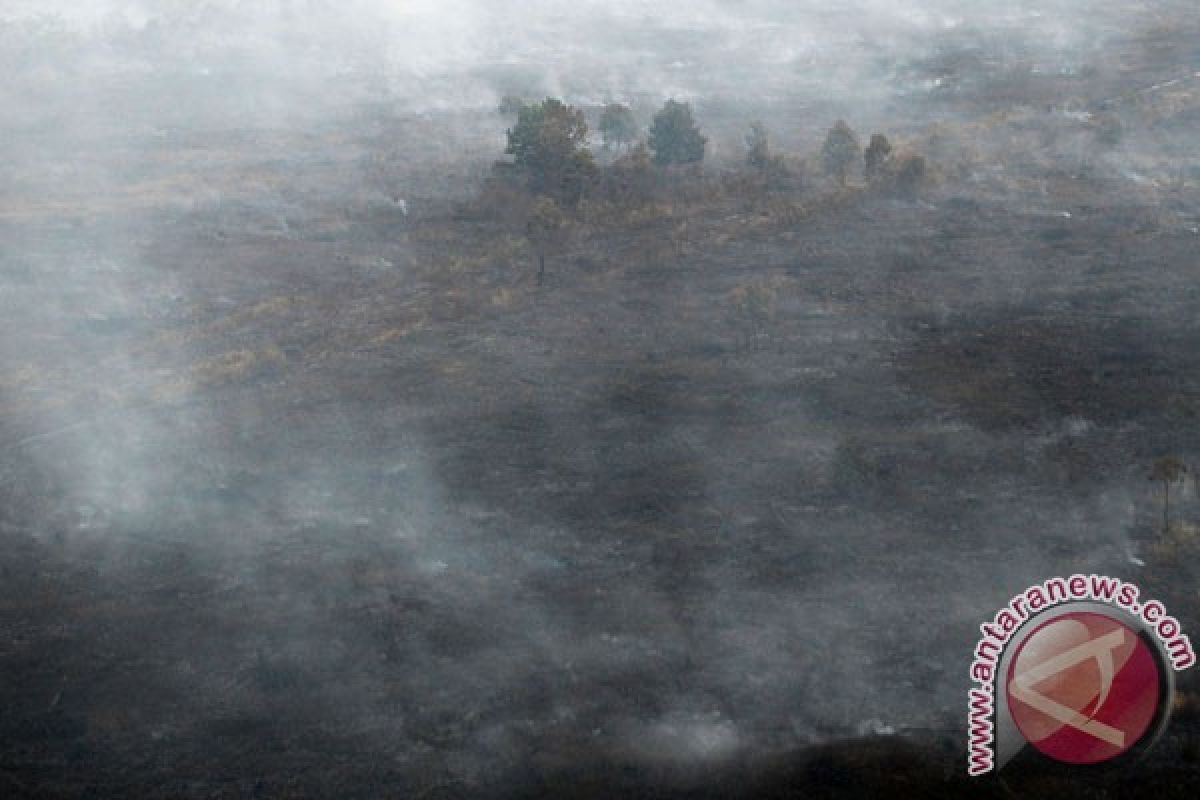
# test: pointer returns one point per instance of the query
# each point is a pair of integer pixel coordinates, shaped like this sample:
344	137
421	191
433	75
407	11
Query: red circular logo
1083	688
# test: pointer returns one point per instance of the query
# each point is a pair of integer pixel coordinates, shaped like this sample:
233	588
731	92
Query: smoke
243	408
451	54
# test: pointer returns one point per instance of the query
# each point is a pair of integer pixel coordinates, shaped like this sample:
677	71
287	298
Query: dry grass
1181	540
225	369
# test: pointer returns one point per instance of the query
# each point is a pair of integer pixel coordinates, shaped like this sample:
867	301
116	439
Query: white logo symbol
1101	650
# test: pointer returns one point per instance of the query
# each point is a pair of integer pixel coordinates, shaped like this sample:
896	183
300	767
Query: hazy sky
580	48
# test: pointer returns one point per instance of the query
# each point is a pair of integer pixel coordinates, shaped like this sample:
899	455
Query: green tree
1167	470
617	126
674	137
840	151
549	143
876	155
758	150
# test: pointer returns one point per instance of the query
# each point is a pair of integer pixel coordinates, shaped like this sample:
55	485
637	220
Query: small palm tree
1167	469
546	230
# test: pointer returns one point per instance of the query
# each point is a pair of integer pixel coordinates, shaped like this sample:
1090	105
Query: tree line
549	146
553	166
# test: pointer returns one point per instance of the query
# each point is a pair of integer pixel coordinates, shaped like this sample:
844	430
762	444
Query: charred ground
307	496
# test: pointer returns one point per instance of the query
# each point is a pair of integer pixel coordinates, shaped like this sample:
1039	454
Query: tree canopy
840	151
549	143
876	155
617	125
674	136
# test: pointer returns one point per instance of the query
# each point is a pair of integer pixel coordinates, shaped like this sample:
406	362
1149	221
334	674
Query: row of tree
549	144
841	151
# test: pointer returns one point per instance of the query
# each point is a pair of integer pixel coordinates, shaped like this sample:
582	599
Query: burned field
310	486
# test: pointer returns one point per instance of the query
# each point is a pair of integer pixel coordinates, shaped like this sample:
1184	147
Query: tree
758	151
546	230
674	137
1168	470
840	151
907	175
617	126
548	142
876	155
